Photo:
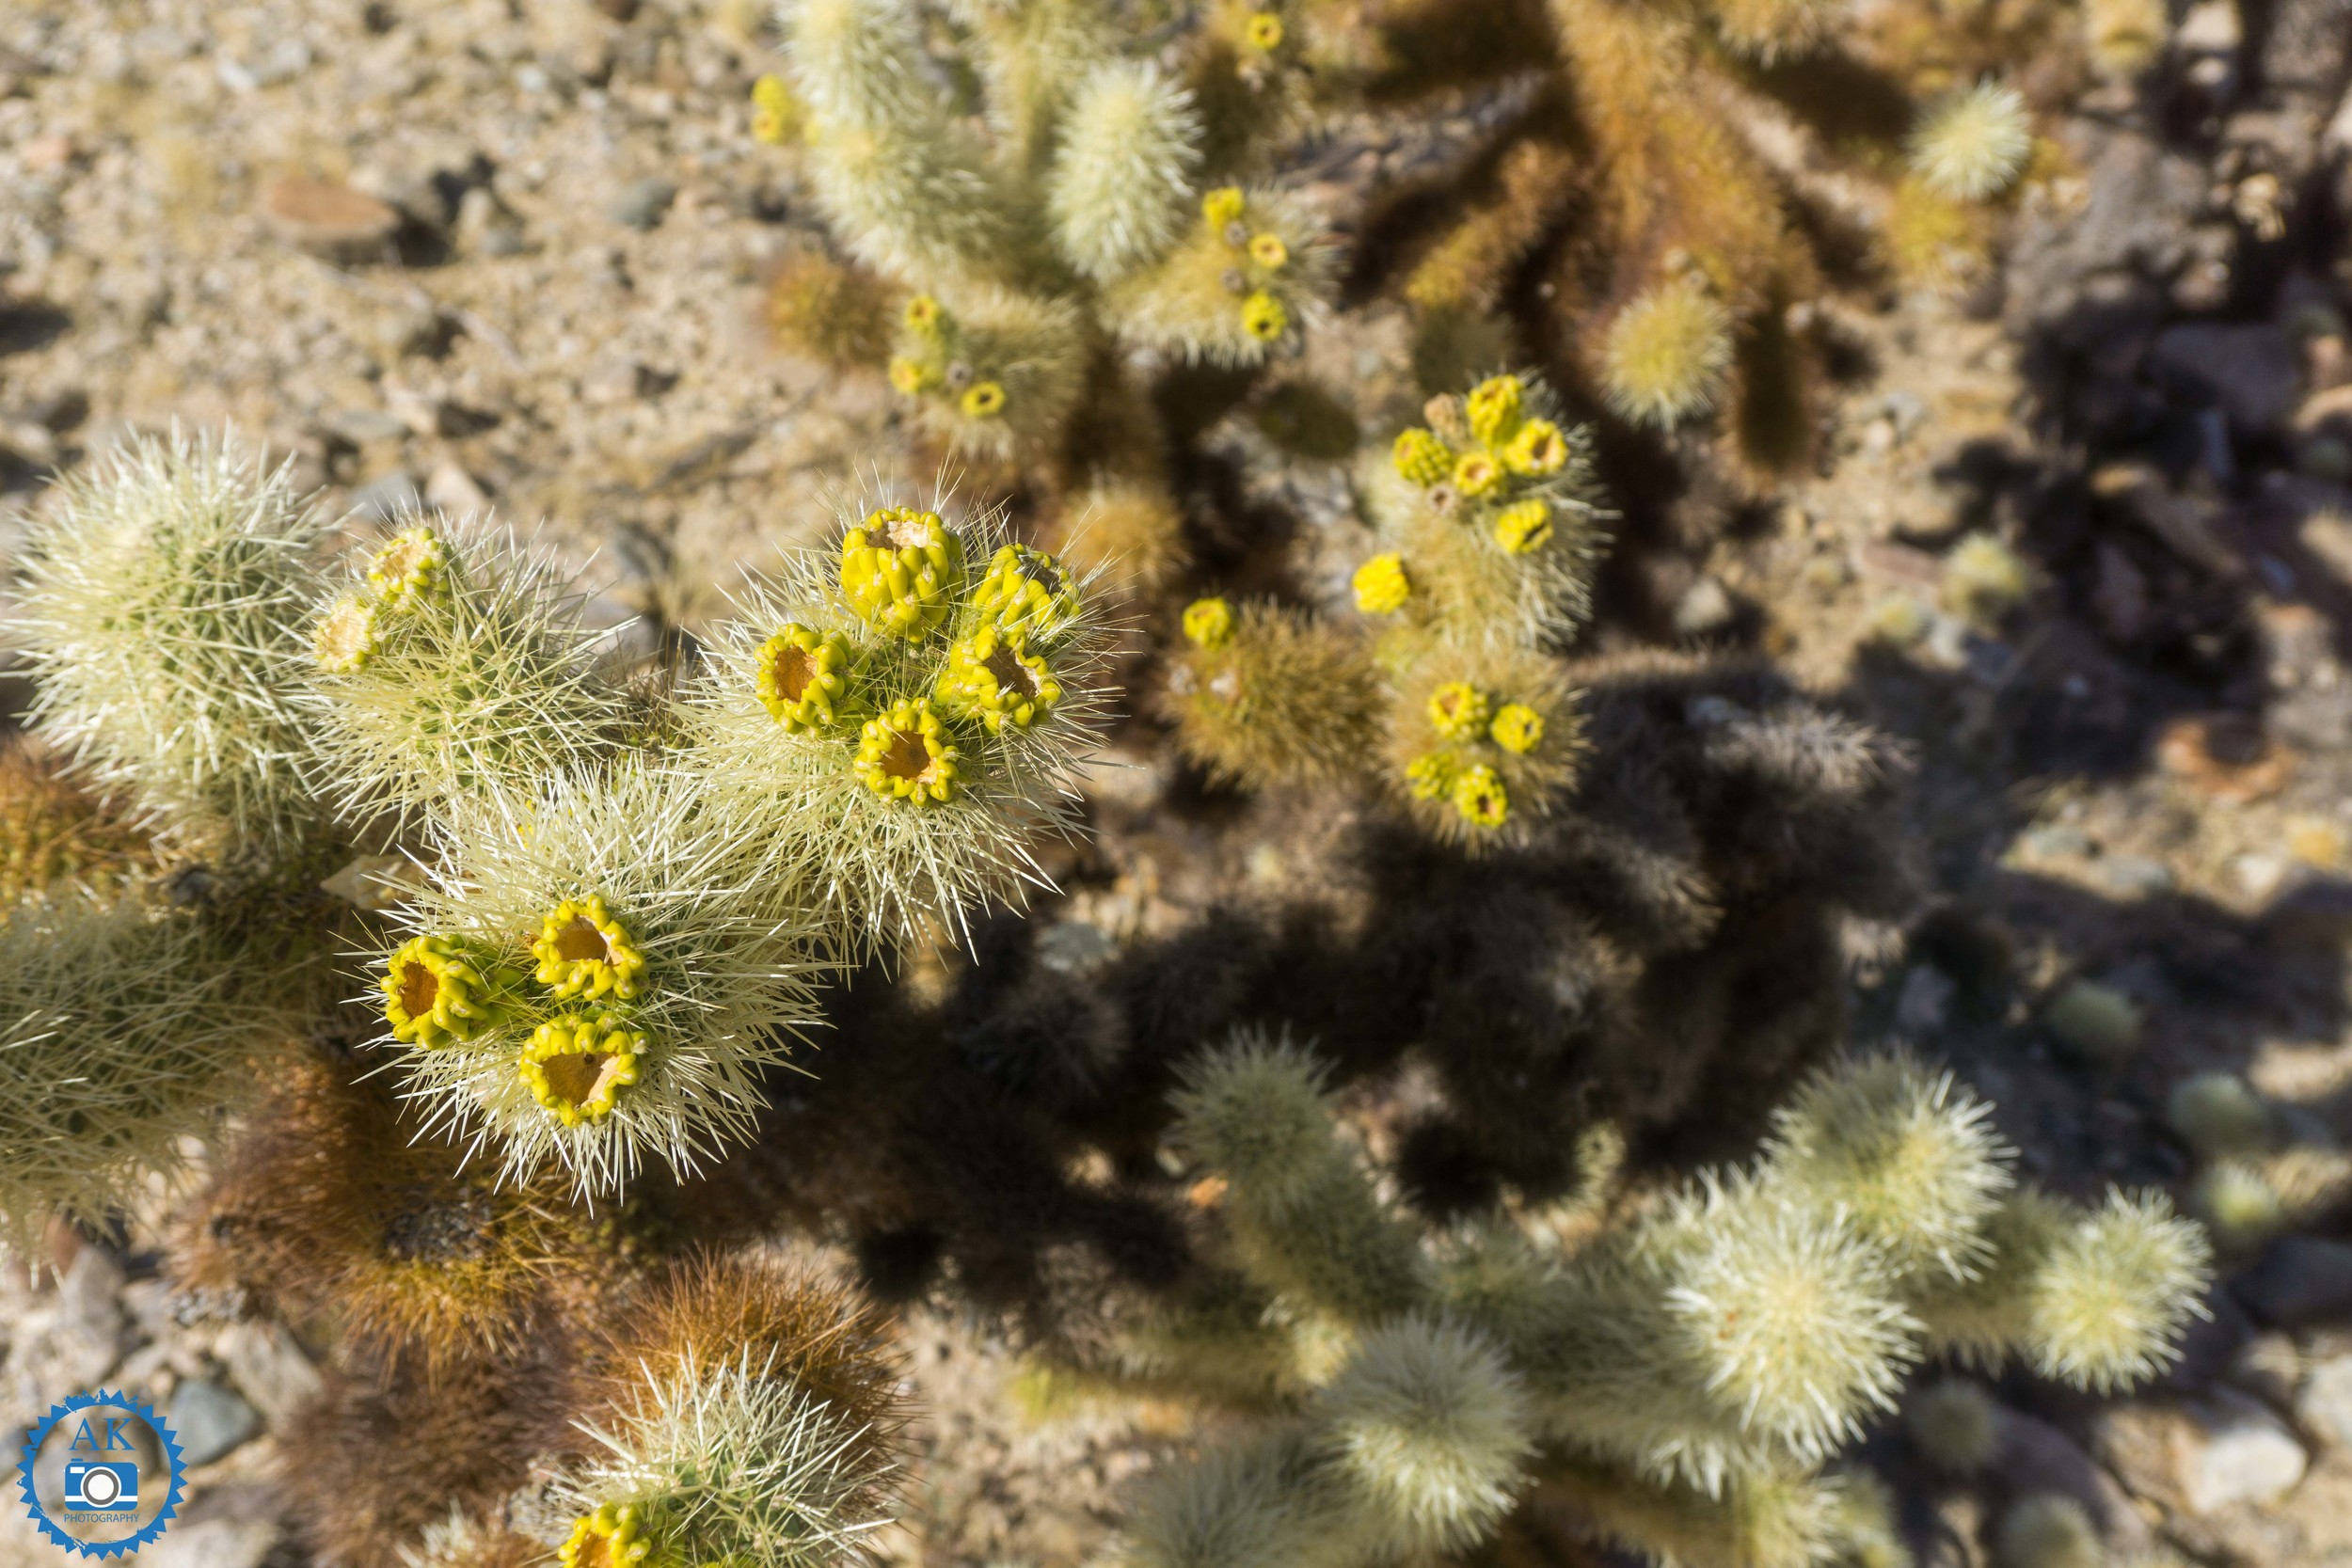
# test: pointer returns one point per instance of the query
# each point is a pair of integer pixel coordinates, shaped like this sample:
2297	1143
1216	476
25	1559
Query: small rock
1704	607
384	498
2232	1451
213	1543
1076	946
2267	1368
271	1369
420	411
2324	1403
211	1422
2253	371
2299	1280
2057	841
2135	876
455	491
615	379
484	227
361	425
329	218
642	204
91	1292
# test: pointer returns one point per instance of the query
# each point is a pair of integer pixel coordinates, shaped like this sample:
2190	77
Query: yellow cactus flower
1262	316
1209	623
1263	31
1460	710
993	679
912	376
907	754
1523	527
344	638
923	315
583	951
804	678
1027	591
774	116
413	561
899	570
1493	408
1421	457
1269	251
1479	796
1477	474
435	993
577	1066
1538	449
1431	776
1222	206
984	400
1381	585
608	1538
1517	728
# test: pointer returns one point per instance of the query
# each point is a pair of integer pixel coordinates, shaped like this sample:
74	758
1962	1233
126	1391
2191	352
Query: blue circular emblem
102	1474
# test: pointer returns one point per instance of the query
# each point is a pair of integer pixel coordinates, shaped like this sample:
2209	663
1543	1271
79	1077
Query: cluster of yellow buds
1258	255
900	570
939	362
411	564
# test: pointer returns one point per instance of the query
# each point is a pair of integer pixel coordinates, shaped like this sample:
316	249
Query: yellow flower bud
1538	449
1209	623
436	993
804	678
1493	408
1381	585
1222	206
344	638
1460	710
907	754
1517	728
991	678
577	1066
1027	591
1524	527
1421	457
1479	796
1264	31
1431	776
899	571
1477	474
583	951
1269	251
984	400
1262	317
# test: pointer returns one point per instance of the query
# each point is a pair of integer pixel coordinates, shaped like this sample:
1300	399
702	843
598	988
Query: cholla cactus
635	952
1489	517
1267	697
53	831
1975	144
1687	1374
124	1028
969	672
733	1464
1482	743
166	613
452	660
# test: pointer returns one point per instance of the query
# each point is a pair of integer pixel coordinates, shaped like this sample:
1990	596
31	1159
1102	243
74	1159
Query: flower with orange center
1458	709
436	993
1262	317
804	678
583	951
577	1066
907	754
992	678
1477	474
1479	796
1538	449
1269	251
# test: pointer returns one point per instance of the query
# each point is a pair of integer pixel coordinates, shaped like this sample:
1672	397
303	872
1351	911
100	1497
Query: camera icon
101	1487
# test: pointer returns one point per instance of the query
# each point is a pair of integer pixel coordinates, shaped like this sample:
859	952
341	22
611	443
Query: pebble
642	202
270	1368
210	1422
2232	1450
2324	1403
1076	946
387	497
361	425
2135	876
2299	1280
455	491
329	218
1705	607
2057	841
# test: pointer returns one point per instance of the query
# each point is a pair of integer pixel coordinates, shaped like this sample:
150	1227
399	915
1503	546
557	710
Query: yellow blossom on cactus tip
1421	457
606	1539
1524	527
1262	316
577	1066
1209	623
344	638
433	994
1028	591
1458	709
992	678
899	570
1431	776
1477	474
803	678
907	754
909	376
1517	728
1263	30
1268	251
411	562
1381	585
1222	206
1493	408
1538	449
1479	796
984	400
771	110
922	313
583	951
